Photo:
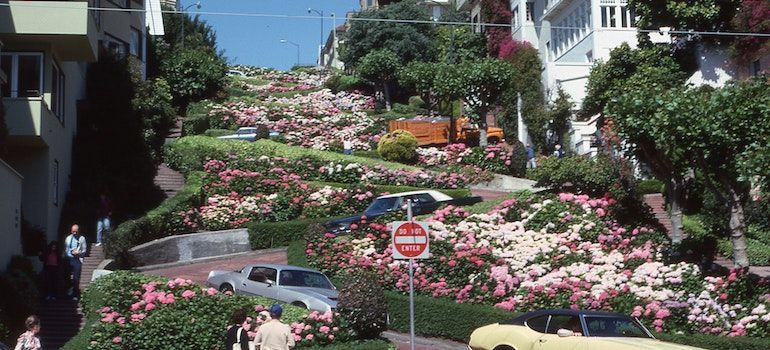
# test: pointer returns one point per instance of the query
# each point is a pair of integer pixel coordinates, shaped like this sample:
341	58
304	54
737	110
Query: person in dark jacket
51	270
235	332
104	218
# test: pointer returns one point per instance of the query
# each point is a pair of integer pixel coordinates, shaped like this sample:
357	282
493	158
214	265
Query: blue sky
256	40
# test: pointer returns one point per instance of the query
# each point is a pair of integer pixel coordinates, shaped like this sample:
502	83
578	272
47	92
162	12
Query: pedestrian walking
531	160
30	340
104	217
237	335
274	334
347	146
51	264
558	152
75	250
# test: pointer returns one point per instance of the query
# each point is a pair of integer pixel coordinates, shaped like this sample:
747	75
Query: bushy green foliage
163	221
518	165
152	102
217	132
377	344
193	74
362	303
420	77
398	146
442	318
344	82
649	186
18	295
456	44
364	36
595	176
191	152
713	342
279	234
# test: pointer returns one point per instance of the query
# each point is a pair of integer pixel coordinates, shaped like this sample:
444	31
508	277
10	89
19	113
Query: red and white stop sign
410	239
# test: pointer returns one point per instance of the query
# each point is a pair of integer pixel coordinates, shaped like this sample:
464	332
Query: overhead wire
381	20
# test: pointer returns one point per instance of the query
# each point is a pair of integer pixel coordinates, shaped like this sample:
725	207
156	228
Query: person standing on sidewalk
104	215
274	334
30	340
531	160
75	248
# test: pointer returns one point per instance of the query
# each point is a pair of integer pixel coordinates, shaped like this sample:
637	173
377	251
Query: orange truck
435	131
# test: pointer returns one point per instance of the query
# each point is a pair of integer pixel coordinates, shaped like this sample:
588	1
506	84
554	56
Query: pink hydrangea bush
495	158
566	251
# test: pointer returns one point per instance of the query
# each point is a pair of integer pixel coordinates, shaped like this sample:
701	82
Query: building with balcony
570	35
48	46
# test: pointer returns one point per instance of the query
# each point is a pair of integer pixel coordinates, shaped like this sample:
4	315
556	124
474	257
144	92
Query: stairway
62	319
169	180
176	131
658	205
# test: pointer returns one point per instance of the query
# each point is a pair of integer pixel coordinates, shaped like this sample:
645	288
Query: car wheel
299	304
503	347
226	288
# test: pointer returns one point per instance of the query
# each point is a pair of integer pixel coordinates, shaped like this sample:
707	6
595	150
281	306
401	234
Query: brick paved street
199	271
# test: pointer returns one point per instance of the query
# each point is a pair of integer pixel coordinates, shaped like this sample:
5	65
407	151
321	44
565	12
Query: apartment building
48	46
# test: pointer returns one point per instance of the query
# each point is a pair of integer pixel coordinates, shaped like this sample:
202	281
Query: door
261	282
552	341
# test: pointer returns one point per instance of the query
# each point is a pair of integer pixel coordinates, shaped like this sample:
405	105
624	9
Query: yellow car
568	330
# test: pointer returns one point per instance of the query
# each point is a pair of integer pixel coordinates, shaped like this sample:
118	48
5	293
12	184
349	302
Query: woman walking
29	340
237	337
50	260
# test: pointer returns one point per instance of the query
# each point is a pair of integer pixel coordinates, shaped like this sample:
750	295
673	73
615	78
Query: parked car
567	329
423	202
299	286
246	134
235	73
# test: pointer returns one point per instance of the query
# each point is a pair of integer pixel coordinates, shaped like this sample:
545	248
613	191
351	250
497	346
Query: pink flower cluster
319	329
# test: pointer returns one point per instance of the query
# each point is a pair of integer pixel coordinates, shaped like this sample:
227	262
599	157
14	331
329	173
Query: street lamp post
320	13
197	6
284	41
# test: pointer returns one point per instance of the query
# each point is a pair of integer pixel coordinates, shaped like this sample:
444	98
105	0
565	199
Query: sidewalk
421	343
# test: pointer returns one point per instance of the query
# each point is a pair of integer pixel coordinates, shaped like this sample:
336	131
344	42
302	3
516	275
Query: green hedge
279	234
160	222
713	342
218	132
649	186
441	318
377	344
190	153
451	192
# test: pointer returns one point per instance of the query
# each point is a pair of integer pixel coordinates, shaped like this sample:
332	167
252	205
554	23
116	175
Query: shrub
377	344
416	102
595	176
649	186
196	124
279	234
362	303
344	82
443	318
518	165
713	342
163	221
398	146
758	252
217	132
18	294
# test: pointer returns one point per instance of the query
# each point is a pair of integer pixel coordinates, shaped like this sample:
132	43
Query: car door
552	341
261	282
426	204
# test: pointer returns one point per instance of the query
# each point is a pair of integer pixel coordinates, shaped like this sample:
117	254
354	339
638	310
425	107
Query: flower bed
556	252
495	158
131	311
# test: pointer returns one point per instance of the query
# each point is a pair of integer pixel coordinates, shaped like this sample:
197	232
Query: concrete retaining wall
191	246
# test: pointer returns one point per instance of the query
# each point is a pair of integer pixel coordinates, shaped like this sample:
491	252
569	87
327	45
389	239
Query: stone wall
192	246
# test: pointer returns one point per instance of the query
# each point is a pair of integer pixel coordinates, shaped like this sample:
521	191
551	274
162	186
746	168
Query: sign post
410	241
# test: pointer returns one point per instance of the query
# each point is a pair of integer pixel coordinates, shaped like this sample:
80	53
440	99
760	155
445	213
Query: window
136	43
756	68
557	322
530	11
56	182
610	326
515	17
57	92
25	74
262	274
612	9
538	324
590	56
115	46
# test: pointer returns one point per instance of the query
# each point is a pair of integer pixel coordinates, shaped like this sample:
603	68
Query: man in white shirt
274	334
347	146
75	248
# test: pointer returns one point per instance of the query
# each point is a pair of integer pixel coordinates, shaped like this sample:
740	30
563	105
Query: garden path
505	183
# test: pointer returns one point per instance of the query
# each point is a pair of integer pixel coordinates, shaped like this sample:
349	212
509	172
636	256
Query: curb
207	259
433	343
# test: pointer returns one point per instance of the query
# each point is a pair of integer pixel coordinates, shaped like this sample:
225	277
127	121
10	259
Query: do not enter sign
410	240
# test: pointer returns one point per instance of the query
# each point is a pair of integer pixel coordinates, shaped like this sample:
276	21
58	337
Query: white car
299	286
246	134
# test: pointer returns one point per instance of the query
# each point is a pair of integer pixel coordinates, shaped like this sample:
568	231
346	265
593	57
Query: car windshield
381	205
613	326
295	278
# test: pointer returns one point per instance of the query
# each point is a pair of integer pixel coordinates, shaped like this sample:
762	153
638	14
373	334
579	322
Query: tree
722	134
698	15
611	90
193	74
485	81
753	16
448	86
380	67
525	61
498	12
153	104
459	44
409	41
420	77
